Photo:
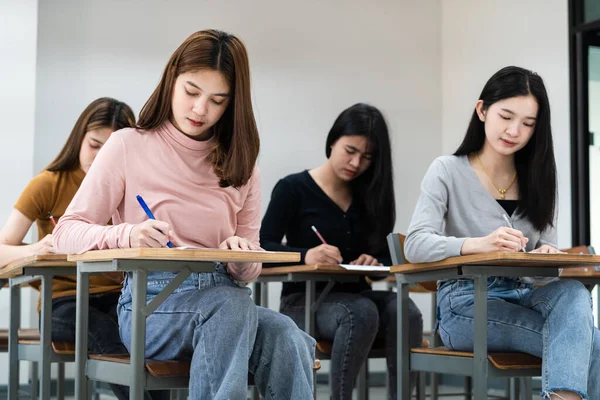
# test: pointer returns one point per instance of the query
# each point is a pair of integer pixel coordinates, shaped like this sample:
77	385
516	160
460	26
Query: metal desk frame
478	367
18	351
133	374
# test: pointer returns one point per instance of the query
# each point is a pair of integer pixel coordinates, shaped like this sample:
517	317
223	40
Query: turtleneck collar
173	134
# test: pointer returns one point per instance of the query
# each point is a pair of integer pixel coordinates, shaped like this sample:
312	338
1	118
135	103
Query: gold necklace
502	191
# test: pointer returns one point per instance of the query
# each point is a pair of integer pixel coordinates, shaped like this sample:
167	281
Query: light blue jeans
214	323
553	322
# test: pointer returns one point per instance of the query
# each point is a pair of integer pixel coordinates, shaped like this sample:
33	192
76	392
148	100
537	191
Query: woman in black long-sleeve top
350	200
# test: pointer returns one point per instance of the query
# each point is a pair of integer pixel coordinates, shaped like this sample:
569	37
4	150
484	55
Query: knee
361	315
238	305
415	318
575	293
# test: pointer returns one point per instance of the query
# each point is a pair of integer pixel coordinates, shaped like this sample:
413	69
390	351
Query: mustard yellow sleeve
36	200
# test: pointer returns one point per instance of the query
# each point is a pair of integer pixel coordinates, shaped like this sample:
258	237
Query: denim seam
348	345
208	363
545	353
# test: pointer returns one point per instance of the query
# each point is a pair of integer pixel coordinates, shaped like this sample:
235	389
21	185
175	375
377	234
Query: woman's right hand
148	234
323	254
502	239
44	246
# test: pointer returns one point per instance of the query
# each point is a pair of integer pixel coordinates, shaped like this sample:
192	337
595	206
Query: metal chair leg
315	385
60	382
363	384
35	382
255	395
421	386
525	388
468	388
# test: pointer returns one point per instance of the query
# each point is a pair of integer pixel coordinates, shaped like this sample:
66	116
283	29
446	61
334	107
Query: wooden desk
19	272
478	267
139	262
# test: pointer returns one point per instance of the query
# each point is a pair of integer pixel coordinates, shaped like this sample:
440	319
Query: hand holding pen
510	224
323	254
149	233
502	239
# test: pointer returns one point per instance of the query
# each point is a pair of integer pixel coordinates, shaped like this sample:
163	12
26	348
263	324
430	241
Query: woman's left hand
547	250
238	243
365	259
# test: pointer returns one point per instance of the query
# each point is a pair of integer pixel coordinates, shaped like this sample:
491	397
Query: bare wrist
469	246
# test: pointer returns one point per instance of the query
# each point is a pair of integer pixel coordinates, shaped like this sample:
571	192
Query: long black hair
373	191
535	164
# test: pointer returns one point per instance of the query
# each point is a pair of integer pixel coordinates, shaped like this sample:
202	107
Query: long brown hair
104	112
235	155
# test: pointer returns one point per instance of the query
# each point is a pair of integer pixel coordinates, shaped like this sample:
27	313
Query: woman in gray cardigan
498	193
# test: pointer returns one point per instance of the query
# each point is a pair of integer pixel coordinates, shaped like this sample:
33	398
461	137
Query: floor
379	393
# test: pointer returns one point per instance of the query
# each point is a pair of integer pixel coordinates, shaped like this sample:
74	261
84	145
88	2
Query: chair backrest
396	245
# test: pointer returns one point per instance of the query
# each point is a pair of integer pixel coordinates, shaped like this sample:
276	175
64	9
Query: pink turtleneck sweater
171	172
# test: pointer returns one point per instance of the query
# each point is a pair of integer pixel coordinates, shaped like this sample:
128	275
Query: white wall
594	152
18	31
479	38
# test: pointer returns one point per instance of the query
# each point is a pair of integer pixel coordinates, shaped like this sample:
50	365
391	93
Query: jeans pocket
445	336
457	301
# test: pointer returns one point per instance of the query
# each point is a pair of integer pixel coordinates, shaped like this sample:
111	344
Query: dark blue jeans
353	322
103	332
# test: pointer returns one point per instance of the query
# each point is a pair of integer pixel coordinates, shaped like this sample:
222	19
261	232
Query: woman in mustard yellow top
45	200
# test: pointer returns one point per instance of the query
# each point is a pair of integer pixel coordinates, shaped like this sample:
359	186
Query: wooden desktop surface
504	259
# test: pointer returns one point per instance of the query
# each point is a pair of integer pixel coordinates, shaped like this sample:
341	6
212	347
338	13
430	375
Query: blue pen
149	214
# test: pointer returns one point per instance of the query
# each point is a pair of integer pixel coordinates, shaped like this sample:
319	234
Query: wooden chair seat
3	339
159	369
163	369
24	334
503	361
64	348
31	336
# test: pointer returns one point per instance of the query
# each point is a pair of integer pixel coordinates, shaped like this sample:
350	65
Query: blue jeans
353	322
214	323
553	322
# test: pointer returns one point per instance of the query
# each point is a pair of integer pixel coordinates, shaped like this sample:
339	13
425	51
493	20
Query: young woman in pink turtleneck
192	158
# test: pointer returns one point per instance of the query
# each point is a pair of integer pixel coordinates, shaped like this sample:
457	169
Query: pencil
52	219
318	234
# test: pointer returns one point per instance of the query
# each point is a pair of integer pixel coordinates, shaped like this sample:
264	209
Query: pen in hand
318	234
150	215
51	217
510	225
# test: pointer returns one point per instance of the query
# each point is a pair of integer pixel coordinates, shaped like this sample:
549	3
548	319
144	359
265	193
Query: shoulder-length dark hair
104	112
373	191
237	138
535	164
